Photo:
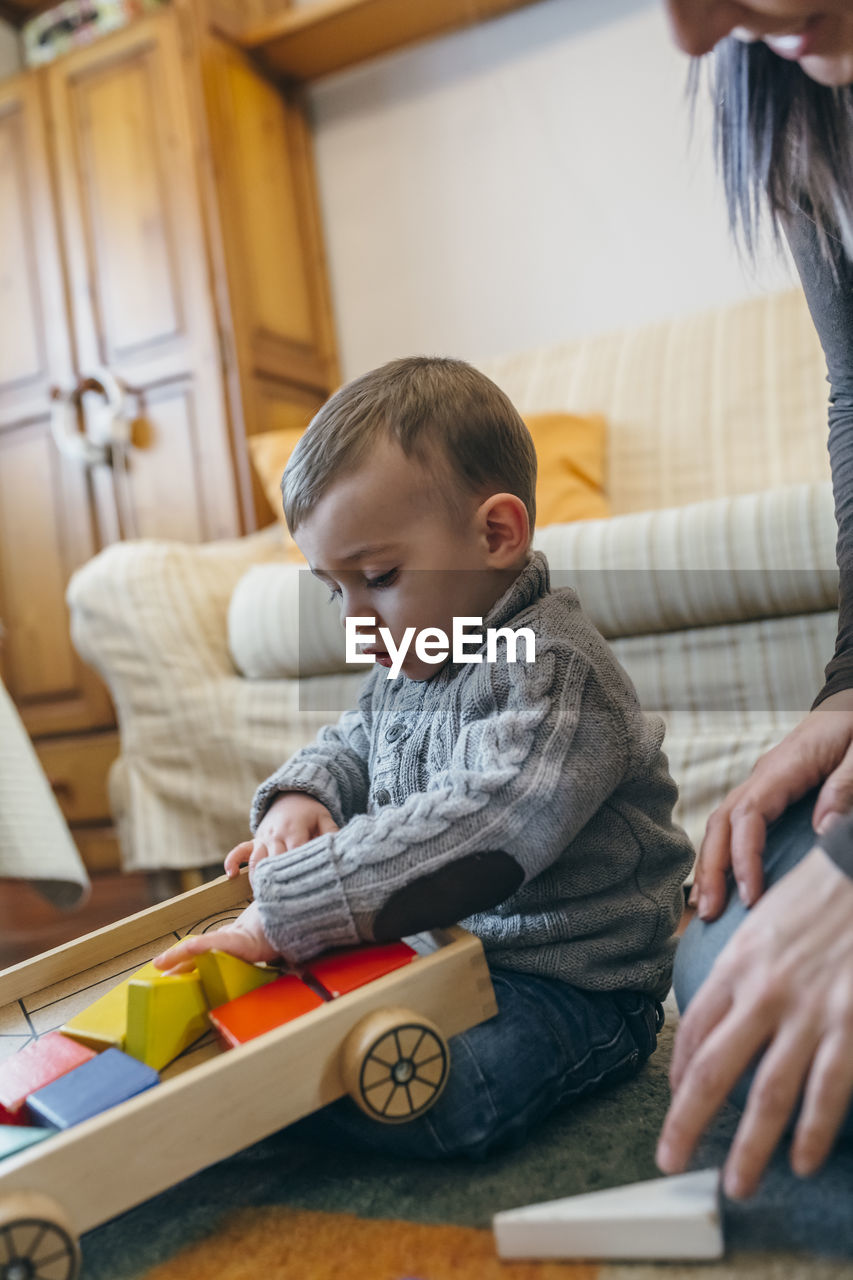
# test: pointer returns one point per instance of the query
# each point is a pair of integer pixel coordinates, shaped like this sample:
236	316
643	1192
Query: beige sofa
714	579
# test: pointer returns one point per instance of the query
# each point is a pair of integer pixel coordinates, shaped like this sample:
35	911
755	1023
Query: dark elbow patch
471	884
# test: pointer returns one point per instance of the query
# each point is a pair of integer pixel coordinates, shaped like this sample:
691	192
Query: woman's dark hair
782	142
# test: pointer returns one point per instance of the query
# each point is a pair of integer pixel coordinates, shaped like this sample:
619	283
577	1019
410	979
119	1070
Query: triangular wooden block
666	1218
164	1017
225	977
103	1025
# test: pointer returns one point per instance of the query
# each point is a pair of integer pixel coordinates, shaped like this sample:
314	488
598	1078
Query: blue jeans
548	1044
789	839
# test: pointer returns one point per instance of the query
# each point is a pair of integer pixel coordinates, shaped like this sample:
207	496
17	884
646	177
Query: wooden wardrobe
161	279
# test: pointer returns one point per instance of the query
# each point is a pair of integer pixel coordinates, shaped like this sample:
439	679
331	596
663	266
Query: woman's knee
788	840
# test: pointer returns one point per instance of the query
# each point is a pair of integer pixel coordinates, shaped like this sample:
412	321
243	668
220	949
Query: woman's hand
820	749
245	938
782	985
291	820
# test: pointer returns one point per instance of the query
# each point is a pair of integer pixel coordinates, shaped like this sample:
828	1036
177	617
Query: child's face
386	544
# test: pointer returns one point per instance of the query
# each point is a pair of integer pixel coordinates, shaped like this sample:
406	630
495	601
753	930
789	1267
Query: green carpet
603	1141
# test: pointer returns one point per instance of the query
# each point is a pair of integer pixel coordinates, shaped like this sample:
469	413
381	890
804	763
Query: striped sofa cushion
723	402
753	556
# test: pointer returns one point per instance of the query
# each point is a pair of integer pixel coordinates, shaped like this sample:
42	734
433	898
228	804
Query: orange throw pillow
270	452
572	452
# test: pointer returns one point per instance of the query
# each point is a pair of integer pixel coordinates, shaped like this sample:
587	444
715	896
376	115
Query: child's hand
293	819
245	938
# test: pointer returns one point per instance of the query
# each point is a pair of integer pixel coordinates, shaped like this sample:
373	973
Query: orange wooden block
39	1063
341	971
263	1009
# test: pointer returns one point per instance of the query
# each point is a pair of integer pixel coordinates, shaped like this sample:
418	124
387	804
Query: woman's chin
832	72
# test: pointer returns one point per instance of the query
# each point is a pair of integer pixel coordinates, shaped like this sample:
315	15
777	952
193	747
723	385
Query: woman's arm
820	750
828	286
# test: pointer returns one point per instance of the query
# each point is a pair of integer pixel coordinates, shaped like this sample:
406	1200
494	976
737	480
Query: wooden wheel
37	1240
395	1064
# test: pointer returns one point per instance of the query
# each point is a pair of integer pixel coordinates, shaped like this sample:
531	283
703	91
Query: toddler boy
529	800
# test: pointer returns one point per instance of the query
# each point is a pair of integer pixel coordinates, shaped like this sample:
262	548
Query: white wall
520	182
10	55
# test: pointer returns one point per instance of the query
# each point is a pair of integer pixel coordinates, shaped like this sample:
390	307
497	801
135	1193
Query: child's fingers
326	825
180	957
175	970
237	856
265	849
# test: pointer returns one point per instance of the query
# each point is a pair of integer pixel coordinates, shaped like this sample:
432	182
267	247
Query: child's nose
355	603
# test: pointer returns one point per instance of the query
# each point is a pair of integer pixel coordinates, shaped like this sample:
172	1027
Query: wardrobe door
127	157
47	524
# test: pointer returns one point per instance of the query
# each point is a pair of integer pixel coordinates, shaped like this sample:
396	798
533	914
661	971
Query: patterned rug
288	1244
286	1209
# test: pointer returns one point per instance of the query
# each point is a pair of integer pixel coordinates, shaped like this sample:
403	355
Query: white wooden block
674	1218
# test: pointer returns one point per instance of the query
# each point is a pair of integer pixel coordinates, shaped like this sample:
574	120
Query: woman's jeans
548	1044
789	839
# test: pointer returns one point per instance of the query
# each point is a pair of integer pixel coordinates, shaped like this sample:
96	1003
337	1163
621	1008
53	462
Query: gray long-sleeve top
531	802
828	286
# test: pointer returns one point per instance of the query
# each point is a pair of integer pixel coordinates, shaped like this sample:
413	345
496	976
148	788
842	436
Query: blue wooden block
103	1082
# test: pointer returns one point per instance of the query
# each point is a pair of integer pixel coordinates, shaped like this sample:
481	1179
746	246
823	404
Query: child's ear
505	527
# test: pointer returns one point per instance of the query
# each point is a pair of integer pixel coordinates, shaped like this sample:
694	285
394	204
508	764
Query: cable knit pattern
553	763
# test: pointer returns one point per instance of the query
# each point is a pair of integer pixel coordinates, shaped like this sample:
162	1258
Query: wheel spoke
35	1244
409	1096
63	1253
426	1061
413	1055
391	1096
9	1243
376	1083
374	1057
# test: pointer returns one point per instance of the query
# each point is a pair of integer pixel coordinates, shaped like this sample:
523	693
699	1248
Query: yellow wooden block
165	1015
104	1024
225	977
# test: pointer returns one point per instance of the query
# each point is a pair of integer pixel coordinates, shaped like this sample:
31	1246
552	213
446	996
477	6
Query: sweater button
394	731
383	797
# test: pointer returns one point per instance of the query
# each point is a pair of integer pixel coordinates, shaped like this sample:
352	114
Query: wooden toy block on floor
17	1137
103	1025
164	1017
94	1171
33	1067
667	1218
263	1009
341	971
107	1079
226	977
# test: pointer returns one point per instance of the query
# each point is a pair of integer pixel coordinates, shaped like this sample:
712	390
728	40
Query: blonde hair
443	413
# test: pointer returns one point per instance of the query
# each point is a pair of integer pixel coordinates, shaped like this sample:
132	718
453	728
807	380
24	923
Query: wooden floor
29	924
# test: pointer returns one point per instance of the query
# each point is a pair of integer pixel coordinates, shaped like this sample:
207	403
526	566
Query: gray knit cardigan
532	802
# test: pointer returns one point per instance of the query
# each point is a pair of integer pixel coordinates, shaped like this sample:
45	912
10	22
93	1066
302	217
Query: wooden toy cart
211	1103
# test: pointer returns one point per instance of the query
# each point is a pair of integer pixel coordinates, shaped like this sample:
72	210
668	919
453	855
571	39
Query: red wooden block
263	1009
38	1064
13	1117
341	971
